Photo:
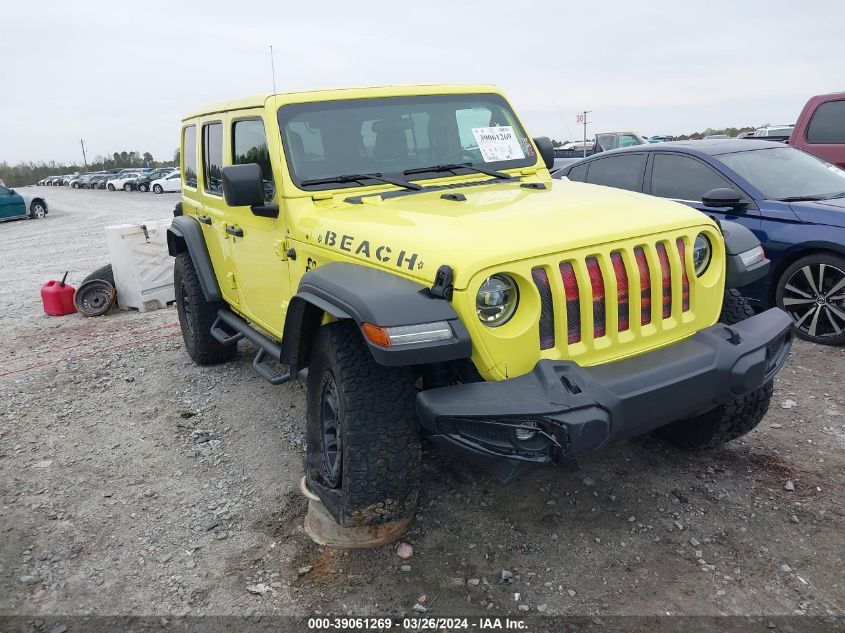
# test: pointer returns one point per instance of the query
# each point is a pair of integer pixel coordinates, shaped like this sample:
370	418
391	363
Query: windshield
785	172
390	135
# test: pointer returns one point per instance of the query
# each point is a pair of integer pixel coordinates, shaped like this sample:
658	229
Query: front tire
111	187
196	316
725	422
157	189
127	187
363	446
143	188
37	210
812	292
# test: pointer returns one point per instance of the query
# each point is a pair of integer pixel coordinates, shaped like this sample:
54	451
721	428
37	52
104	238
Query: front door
686	179
12	204
257	243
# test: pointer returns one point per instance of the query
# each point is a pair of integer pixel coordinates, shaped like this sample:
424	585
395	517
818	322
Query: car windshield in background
786	173
388	136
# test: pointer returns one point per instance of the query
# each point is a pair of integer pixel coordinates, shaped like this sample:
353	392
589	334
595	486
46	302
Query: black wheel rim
330	428
814	296
187	312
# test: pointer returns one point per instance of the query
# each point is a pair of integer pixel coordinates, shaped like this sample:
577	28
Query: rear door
12	204
622	171
258	243
213	210
211	217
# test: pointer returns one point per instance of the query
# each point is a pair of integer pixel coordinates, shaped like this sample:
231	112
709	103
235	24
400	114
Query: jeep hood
495	224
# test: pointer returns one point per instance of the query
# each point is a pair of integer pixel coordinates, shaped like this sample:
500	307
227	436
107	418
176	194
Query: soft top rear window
389	135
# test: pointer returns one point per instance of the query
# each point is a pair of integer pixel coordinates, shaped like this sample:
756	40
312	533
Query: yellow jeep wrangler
406	253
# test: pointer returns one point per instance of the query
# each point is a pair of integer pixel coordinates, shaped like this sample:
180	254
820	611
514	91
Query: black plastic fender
185	234
740	239
368	295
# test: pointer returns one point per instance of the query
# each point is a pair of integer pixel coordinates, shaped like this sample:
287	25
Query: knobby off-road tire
196	316
725	422
735	308
376	436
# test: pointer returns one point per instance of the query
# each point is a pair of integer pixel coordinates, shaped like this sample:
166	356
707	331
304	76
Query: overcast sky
120	75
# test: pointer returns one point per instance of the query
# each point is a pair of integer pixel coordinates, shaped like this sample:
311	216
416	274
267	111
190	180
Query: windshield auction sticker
498	143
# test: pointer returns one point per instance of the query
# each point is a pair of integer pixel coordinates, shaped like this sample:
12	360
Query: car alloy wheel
38	210
814	296
157	189
330	427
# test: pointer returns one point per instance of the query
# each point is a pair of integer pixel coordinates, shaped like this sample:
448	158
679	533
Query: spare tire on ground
105	273
94	297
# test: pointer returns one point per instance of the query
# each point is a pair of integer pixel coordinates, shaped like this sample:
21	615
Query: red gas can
57	297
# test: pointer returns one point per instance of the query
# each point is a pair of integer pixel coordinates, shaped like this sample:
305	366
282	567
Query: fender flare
369	295
185	235
739	239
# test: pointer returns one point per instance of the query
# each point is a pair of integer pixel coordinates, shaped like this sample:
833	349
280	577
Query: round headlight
701	253
497	299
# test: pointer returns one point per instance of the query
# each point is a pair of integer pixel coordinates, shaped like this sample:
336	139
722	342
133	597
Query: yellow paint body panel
501	227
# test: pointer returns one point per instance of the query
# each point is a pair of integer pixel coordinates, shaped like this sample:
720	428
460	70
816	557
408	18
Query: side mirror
243	187
723	197
547	151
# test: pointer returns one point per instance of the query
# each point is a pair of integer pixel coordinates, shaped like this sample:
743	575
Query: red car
820	129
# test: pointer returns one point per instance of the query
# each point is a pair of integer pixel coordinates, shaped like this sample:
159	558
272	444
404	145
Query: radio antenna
273	68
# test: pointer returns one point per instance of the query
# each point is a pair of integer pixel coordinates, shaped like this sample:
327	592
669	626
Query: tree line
28	173
730	131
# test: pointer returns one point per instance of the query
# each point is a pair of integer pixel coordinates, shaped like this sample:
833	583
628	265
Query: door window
578	173
683	178
212	158
249	145
827	124
623	172
189	156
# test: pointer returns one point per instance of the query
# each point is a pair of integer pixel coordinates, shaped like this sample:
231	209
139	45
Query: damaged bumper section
560	410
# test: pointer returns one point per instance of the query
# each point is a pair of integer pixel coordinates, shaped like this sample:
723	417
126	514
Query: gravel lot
133	482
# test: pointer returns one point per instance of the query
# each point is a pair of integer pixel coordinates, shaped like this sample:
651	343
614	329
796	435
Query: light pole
584	121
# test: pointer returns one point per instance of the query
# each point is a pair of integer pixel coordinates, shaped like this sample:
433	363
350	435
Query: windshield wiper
359	177
453	166
823	196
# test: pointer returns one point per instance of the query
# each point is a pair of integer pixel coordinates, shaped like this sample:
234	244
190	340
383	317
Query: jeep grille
585	281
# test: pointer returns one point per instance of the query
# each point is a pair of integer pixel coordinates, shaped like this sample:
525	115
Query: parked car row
157	180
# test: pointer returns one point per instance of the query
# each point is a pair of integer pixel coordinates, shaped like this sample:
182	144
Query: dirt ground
134	482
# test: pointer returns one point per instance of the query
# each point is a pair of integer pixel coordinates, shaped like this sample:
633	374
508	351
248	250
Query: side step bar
229	328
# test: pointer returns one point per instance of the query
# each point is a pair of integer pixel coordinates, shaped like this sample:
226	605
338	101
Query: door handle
236	231
204	219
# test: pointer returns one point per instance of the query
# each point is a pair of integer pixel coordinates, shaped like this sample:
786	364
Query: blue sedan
793	202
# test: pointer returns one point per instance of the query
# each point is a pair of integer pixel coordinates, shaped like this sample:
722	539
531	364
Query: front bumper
560	409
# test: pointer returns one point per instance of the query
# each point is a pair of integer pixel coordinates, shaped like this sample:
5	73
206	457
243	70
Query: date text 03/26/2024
417	624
